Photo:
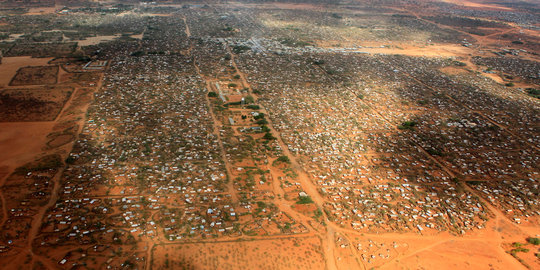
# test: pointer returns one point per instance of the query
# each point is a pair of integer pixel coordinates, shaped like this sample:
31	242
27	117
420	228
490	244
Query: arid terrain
302	134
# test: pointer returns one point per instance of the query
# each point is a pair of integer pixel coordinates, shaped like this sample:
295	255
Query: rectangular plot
35	75
19	105
286	253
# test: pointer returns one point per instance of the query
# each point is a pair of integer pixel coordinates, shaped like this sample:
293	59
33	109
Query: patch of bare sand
41	10
434	50
472	4
428	51
480	249
19	142
95	40
10	65
494	77
301	6
279	5
139	36
455	254
528	258
454	70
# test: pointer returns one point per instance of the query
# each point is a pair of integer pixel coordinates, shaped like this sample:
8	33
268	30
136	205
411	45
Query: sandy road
187	31
217	125
307	185
9	171
216	131
328	240
37	220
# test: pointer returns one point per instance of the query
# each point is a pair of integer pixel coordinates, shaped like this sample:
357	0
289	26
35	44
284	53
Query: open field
285	253
32	105
35	75
10	66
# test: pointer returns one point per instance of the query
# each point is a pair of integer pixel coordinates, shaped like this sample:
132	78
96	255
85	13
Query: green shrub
284	159
304	200
240	48
249	99
137	53
534	240
317	213
70	160
269	136
434	152
228	29
262	122
533	92
519	249
407	125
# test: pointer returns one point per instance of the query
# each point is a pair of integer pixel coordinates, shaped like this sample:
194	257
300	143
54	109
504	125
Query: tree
407	125
304	200
137	53
268	136
533	92
281	159
534	240
262	122
249	99
240	48
284	159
